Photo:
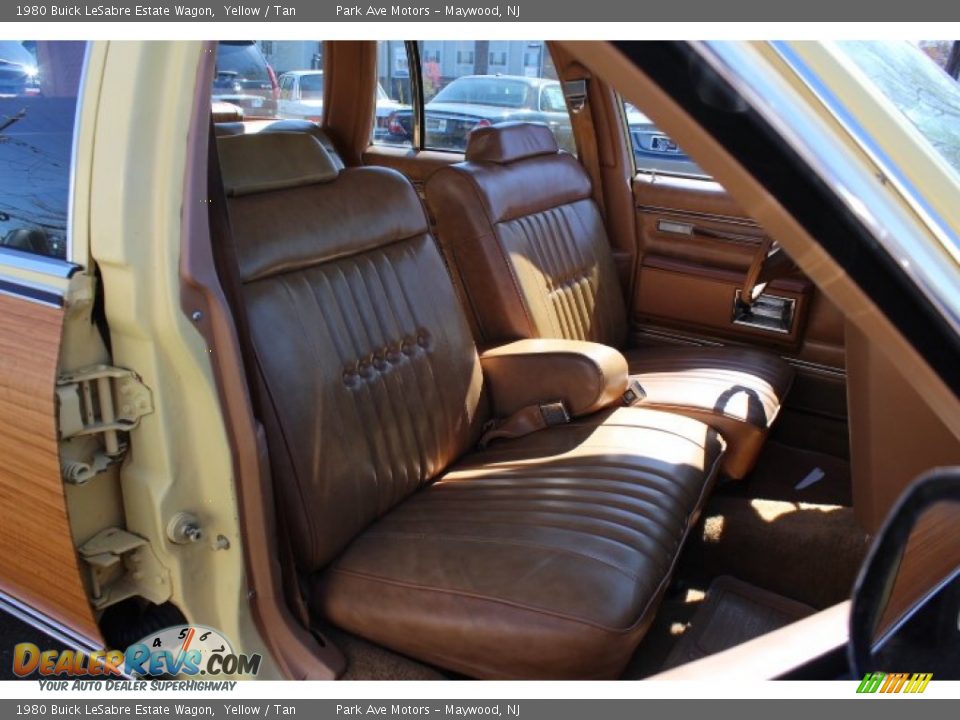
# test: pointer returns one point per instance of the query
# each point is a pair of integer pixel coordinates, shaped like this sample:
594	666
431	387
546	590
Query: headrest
366	208
289	125
226	112
510	141
273	161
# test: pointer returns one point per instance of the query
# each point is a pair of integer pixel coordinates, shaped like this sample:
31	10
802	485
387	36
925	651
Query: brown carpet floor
366	661
781	468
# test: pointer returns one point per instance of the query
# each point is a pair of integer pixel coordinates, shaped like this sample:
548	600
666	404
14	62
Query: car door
695	246
42	287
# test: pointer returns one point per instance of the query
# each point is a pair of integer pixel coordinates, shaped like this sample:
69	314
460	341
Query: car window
287	84
911	80
466	85
39	86
270	78
551	99
393	124
311	86
495	91
653	150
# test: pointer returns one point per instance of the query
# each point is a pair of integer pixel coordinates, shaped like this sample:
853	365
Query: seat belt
228	270
532	418
525	421
577	95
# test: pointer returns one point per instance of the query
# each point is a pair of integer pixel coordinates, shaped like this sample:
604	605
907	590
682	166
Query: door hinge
123	565
101	402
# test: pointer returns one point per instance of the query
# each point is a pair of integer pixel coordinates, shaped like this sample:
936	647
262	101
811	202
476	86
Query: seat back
528	239
369	382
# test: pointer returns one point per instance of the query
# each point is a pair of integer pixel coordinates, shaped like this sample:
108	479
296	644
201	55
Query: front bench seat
539	557
520	222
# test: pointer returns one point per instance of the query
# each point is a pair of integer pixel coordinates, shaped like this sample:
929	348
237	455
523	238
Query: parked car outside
301	96
475	101
244	78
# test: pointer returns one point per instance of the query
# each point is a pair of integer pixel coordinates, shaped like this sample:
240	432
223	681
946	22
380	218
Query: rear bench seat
539	557
529	242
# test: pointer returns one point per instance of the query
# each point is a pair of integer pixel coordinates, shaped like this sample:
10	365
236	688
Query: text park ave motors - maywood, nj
184	11
413	11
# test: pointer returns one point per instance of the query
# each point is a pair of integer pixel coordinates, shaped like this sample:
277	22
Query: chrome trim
675	338
876	153
839	373
759	317
32	292
47	625
859	190
727	219
75	151
13	258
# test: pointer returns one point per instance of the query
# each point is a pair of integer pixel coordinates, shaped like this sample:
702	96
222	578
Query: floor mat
732	613
795	475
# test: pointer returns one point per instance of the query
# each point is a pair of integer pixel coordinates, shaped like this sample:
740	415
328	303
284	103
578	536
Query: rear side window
270	78
393	124
39	86
468	85
653	150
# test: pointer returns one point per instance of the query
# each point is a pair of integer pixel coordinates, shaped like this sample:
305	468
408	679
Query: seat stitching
484	598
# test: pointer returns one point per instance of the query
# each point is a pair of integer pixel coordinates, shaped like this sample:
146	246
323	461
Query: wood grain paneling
931	556
38	564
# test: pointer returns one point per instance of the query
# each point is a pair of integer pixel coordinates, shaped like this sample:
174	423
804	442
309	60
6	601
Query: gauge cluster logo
180	650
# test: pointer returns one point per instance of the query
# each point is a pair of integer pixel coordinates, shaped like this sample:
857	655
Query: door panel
700	299
38	564
695	247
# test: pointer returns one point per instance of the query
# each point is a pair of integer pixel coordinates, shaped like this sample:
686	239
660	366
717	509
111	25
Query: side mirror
905	614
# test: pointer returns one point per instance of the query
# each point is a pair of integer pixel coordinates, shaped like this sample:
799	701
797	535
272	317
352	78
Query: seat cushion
738	391
541	557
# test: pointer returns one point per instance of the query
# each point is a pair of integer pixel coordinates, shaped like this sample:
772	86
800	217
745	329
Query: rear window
494	91
311	87
241	61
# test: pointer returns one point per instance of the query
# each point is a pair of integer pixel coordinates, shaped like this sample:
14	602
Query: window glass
925	95
471	84
39	85
393	124
270	78
653	150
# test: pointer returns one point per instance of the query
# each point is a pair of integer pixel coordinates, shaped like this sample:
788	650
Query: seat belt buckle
554	413
634	393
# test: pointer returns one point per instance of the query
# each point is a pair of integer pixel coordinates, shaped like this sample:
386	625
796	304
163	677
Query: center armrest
585	376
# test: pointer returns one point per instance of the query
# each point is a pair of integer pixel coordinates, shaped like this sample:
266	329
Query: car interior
531	413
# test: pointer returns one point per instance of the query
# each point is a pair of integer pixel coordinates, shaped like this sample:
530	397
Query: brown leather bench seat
519	219
542	556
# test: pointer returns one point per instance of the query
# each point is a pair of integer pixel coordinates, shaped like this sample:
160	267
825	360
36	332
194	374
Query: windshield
311	87
917	87
496	91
